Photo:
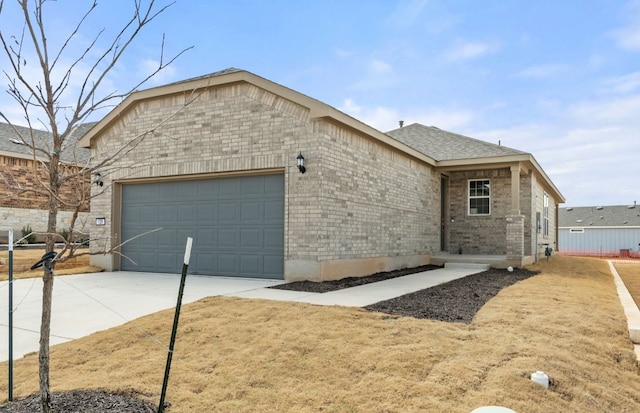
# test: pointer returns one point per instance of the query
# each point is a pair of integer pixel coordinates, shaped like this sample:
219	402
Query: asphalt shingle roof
600	216
11	142
442	145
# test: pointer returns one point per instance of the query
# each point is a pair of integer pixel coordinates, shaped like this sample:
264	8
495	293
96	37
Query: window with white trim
545	214
479	197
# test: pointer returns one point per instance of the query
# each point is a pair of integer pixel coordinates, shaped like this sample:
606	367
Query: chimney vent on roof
401	123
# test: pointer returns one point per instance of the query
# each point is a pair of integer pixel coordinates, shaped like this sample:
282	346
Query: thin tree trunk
47	299
45	330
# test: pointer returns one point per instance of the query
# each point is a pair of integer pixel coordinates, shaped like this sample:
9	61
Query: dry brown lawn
23	259
630	274
239	355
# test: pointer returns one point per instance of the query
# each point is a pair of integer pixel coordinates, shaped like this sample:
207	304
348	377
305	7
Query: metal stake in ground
10	396
187	255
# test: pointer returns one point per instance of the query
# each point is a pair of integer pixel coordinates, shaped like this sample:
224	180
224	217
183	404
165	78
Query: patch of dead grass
256	356
24	258
630	274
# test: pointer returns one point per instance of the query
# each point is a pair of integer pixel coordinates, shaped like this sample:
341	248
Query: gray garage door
237	226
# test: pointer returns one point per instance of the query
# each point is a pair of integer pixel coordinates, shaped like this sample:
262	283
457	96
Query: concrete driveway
86	303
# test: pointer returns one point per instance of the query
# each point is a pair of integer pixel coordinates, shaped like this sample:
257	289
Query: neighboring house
601	231
19	205
223	170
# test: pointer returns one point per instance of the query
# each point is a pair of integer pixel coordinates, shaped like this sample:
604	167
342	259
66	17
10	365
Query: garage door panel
206	212
206	236
148	213
250	238
167	213
273	211
169	262
167	191
187	213
203	260
227	238
273	185
250	188
251	211
250	264
273	238
228	189
273	266
207	189
166	238
227	263
237	224
228	212
186	189
146	260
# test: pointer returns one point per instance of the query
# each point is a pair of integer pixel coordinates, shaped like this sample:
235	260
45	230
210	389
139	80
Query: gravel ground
455	301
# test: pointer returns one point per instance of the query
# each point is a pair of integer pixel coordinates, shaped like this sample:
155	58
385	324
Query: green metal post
10	396
174	331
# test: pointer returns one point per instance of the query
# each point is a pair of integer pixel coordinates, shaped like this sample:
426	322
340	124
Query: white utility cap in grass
492	409
541	378
510	269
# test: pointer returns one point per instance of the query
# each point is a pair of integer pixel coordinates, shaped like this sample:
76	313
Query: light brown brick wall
479	234
357	201
19	209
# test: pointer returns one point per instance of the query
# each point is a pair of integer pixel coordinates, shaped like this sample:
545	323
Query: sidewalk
364	295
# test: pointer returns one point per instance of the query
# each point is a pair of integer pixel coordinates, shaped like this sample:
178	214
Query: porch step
467	266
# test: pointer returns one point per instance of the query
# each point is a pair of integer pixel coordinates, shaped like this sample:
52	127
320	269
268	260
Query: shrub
65	234
27	234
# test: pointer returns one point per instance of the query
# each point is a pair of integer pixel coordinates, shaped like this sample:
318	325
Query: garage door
237	225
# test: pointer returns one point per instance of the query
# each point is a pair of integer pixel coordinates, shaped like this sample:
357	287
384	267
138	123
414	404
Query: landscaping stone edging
631	310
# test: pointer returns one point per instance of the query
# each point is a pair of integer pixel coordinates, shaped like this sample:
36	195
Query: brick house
20	205
224	170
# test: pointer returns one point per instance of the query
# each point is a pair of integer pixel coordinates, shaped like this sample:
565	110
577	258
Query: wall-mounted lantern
300	160
97	179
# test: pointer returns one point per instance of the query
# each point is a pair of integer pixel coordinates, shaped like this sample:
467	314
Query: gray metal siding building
607	231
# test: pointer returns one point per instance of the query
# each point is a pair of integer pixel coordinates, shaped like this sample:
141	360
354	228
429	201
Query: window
479	197
545	225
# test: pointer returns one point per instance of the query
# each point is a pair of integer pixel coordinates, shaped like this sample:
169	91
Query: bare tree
45	102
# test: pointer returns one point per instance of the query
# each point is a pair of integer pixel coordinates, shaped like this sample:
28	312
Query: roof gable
430	145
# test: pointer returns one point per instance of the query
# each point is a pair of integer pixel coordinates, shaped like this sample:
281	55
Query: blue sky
558	79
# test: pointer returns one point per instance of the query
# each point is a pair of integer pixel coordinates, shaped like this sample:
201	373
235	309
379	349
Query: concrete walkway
631	311
87	303
368	294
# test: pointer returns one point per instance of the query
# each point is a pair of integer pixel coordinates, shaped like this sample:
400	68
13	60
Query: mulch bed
455	301
83	401
328	286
